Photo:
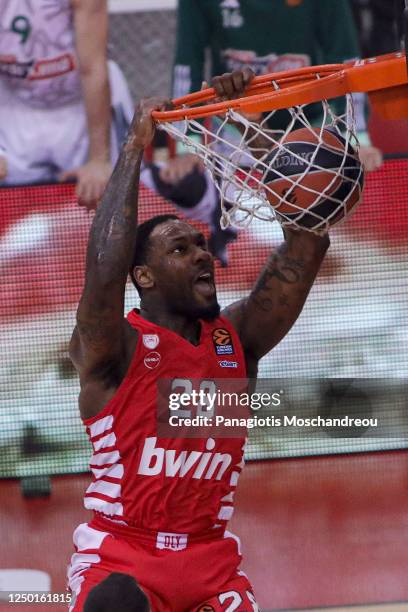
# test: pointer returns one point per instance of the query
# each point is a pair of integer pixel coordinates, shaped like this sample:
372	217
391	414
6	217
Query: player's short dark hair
118	592
143	233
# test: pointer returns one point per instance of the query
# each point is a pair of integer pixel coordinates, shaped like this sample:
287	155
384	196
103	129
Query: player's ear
143	277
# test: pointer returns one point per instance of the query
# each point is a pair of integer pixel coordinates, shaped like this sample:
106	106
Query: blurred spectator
3	163
55	106
64	110
268	37
379	25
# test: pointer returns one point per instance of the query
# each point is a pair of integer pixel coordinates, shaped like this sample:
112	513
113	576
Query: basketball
314	178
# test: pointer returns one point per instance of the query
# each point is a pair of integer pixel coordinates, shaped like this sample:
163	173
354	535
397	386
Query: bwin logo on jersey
196	464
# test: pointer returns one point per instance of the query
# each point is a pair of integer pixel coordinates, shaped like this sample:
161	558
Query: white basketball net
236	149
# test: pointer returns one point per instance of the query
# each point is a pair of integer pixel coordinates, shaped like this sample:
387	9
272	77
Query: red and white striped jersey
183	485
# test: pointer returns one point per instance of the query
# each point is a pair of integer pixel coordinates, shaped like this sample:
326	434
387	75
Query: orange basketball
313	178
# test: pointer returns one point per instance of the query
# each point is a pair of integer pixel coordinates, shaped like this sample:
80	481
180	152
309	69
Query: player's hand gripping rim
232	85
143	127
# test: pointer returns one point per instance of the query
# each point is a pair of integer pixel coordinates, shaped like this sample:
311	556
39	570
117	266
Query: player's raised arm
276	301
99	337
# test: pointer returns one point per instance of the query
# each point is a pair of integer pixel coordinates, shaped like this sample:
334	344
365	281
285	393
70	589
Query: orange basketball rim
384	78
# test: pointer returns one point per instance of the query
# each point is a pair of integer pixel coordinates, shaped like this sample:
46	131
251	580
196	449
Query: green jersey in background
267	35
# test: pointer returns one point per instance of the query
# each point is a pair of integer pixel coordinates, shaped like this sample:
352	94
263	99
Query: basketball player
55	103
379	25
161	505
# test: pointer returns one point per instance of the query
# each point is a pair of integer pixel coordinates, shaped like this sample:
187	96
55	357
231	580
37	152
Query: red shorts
177	573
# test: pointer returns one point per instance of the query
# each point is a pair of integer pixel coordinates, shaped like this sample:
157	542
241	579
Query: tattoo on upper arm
236	310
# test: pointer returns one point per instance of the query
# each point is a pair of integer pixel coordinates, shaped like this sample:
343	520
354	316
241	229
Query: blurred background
322	516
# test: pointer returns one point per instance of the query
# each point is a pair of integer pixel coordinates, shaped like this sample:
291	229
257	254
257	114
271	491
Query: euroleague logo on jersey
152	360
222	341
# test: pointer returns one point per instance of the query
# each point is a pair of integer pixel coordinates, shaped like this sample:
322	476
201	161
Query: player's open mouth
204	282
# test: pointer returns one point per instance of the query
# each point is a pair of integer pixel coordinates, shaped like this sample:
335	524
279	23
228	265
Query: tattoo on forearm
286	270
283	300
111	240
